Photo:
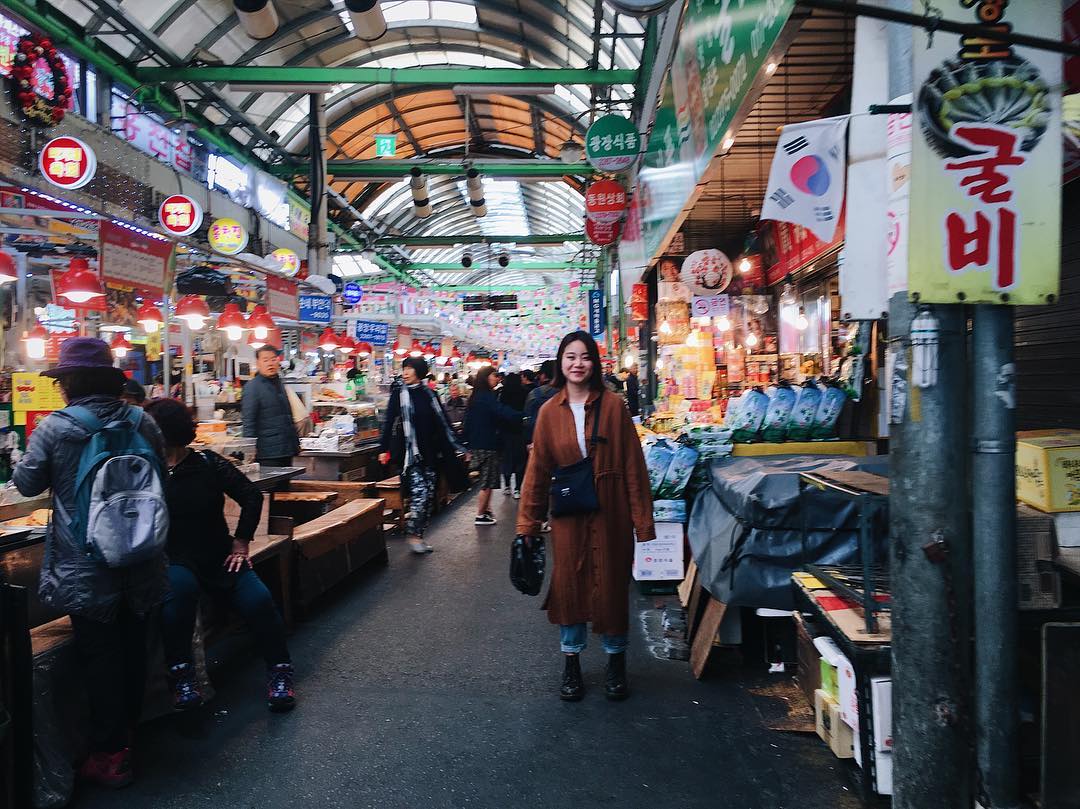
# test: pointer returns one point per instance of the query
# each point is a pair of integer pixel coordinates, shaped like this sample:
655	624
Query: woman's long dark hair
482	383
596	381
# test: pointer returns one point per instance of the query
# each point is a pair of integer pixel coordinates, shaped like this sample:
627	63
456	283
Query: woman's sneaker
506	491
112	770
517	494
186	693
280	696
487	518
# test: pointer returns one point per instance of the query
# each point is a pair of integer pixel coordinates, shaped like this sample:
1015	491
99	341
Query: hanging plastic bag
781	403
807	401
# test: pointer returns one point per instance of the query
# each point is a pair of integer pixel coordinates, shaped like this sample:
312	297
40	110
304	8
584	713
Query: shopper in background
528	380
417	437
536	399
484	420
593	553
267	413
633	390
204	557
512	455
108	606
456	405
134	393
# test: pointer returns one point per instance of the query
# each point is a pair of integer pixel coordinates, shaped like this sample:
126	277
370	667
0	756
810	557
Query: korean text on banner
132	260
316	308
32	391
372	331
281	300
596	312
986	161
806	181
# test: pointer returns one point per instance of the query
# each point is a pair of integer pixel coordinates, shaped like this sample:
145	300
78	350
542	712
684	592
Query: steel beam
525	266
276	76
381	169
472	238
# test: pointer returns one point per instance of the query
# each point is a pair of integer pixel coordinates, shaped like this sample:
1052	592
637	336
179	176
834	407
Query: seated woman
204	557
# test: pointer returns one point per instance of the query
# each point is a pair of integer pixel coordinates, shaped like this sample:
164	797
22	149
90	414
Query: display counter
347	465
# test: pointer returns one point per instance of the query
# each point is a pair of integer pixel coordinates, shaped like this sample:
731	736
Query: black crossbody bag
573	487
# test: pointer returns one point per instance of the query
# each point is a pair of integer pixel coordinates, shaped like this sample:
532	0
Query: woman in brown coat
592	553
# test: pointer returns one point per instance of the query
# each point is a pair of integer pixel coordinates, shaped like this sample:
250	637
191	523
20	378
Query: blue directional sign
596	312
316	309
372	331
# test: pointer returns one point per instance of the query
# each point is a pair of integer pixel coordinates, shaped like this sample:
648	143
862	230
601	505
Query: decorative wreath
36	110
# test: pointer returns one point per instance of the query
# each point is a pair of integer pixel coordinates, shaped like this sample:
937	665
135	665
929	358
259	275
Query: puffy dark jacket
533	403
268	418
484	418
72	581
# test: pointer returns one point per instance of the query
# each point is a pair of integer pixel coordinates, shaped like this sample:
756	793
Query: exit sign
385	145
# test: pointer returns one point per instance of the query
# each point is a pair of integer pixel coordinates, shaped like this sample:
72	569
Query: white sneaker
517	494
485	519
506	491
418	546
545	528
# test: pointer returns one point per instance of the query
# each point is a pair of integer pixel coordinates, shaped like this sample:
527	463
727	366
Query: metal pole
929	544
166	359
317	244
994	527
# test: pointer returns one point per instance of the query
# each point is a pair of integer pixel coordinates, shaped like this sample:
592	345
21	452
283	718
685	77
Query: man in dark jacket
633	390
109	607
267	414
544	391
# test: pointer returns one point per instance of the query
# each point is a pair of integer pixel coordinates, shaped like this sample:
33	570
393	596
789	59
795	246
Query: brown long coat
592	554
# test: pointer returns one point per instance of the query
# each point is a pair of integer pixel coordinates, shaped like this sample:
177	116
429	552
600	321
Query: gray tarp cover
746	527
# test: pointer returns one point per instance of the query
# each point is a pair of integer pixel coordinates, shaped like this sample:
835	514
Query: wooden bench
332	546
302	506
393	493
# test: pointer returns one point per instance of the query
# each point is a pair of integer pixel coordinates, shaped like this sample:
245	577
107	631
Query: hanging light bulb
328	341
348	346
723	323
8	271
255	342
149	317
751	340
35	342
364	349
417	349
79	284
260	322
120	345
745	265
665	327
801	322
193	310
231	322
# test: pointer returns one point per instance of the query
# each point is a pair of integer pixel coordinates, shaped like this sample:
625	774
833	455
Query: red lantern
364	349
605	201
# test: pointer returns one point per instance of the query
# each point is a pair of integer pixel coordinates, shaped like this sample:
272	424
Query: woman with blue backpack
104	562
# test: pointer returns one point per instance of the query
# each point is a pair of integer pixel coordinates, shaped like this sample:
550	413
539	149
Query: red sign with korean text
281	298
131	259
67	162
787	248
601	234
180	215
605	201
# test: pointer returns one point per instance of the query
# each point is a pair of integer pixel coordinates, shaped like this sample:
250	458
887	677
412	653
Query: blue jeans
574	638
243	592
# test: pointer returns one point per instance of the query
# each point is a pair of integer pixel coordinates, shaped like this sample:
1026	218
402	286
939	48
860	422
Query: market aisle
432	683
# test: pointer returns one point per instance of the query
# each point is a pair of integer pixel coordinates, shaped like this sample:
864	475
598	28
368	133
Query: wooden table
349	465
270	477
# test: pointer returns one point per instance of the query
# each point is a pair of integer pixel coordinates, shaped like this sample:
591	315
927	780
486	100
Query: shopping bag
527	564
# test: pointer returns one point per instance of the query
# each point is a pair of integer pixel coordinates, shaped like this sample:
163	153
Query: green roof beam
472	238
378	170
274	76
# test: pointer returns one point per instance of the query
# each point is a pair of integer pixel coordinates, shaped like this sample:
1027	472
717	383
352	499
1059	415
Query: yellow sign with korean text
986	160
30	391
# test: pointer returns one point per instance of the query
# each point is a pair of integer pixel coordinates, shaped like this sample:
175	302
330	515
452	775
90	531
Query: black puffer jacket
268	418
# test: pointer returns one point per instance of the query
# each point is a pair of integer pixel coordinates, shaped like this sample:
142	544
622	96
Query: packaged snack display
832	402
658	455
678	472
669	511
807	401
752	407
781	403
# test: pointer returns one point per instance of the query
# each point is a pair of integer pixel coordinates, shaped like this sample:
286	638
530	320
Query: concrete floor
432	683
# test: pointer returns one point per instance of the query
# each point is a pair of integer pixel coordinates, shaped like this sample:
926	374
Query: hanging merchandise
40	85
227	236
67	163
707	272
611	143
602	234
180	215
605	201
287	260
204	280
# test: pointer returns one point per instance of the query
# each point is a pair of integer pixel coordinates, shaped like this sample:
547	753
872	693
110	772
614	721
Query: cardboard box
832	730
883	781
1048	472
829	683
662	558
848	695
808	671
881	706
830	659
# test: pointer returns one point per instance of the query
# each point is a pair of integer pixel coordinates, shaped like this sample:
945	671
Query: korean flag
806	181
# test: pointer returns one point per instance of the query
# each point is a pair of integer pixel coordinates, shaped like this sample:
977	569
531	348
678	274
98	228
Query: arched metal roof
427	120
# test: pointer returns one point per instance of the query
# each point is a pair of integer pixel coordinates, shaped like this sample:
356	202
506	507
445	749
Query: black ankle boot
615	677
573	689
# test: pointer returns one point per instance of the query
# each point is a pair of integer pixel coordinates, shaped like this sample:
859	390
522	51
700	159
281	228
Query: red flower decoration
36	110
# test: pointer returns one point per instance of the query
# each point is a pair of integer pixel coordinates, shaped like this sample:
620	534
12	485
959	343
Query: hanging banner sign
707	272
316	308
129	259
352	292
605	201
372	331
612	143
32	391
596	312
67	163
281	298
288	260
787	248
180	215
986	161
602	234
228	237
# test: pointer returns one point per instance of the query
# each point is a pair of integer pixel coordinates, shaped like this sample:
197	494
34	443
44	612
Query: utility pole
929	541
318	261
994	528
